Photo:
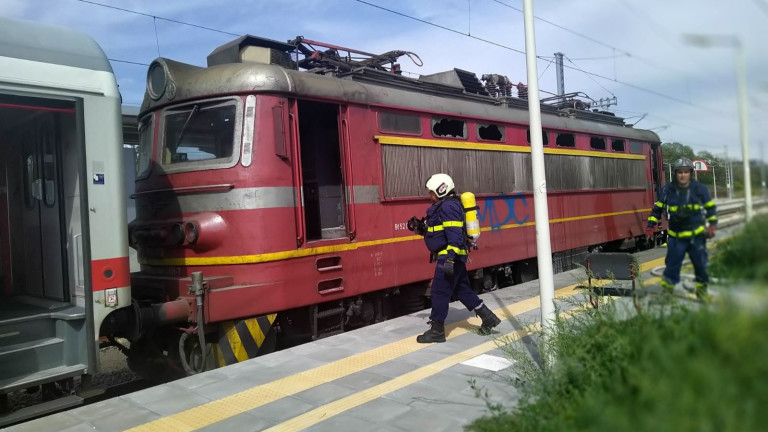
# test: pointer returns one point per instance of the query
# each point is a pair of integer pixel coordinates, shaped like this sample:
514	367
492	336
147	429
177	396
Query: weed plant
745	255
675	368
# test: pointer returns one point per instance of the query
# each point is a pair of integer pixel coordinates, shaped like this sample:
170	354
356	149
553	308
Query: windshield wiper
192	113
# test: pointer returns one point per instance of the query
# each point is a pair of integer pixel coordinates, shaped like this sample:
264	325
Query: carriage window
565	140
597	143
144	155
636	147
449	128
490	132
199	132
399	123
544	136
617	145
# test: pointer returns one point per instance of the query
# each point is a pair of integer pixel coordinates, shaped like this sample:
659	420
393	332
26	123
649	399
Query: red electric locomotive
274	187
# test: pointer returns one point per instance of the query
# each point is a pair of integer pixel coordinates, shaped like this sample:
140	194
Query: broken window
490	132
449	128
617	145
597	143
565	140
544	137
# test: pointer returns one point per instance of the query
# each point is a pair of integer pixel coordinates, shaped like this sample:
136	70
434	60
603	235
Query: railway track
732	212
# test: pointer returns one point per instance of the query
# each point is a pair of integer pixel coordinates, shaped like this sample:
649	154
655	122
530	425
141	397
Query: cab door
322	171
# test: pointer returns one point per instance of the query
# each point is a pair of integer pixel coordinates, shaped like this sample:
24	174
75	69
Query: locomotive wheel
489	282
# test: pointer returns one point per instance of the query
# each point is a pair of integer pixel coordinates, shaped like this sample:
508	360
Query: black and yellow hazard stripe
242	339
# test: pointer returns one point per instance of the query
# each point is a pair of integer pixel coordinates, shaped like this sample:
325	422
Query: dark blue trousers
696	247
443	289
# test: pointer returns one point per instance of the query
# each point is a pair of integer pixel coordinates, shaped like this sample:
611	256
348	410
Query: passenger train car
63	237
281	177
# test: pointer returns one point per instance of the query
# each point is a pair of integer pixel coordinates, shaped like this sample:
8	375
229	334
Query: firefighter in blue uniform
444	236
686	201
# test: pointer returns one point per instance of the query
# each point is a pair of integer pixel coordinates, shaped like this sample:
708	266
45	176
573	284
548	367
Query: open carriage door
35	212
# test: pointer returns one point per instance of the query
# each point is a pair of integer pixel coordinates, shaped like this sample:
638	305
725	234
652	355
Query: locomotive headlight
191	232
157	80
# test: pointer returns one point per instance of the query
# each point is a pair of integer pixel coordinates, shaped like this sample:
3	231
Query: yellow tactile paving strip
246	400
329	410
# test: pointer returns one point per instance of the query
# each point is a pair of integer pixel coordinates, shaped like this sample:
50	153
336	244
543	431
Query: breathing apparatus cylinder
470	215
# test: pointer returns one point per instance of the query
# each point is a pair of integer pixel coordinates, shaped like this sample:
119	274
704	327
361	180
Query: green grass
745	255
677	370
670	368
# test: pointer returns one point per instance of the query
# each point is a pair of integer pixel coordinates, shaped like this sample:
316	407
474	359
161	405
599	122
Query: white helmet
440	184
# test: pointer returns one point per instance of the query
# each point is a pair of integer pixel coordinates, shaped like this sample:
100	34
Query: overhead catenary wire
128	62
593	79
591	39
158	17
545	69
545	58
636	87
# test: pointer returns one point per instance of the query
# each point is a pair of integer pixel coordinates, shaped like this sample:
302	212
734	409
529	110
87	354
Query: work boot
435	334
701	292
490	320
667	287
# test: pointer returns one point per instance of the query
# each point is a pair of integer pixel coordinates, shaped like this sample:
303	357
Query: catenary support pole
741	78
541	209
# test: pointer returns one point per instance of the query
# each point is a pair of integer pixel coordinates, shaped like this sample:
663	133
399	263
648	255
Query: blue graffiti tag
489	210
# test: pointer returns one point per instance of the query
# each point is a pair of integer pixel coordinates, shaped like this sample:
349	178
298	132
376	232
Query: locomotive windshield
200	132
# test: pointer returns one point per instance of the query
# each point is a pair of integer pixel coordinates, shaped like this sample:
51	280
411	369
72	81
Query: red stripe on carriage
110	273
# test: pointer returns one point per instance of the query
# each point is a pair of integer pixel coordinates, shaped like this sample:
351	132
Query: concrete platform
373	379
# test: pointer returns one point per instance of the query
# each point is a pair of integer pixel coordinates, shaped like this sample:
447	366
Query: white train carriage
63	238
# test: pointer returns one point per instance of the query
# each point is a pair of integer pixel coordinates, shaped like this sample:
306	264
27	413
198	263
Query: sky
631	49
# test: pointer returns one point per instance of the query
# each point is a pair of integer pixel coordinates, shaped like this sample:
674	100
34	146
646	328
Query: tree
673	151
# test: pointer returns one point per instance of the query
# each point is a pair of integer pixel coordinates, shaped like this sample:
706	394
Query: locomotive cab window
201	135
636	147
565	140
544	136
490	132
597	143
449	128
399	123
617	145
